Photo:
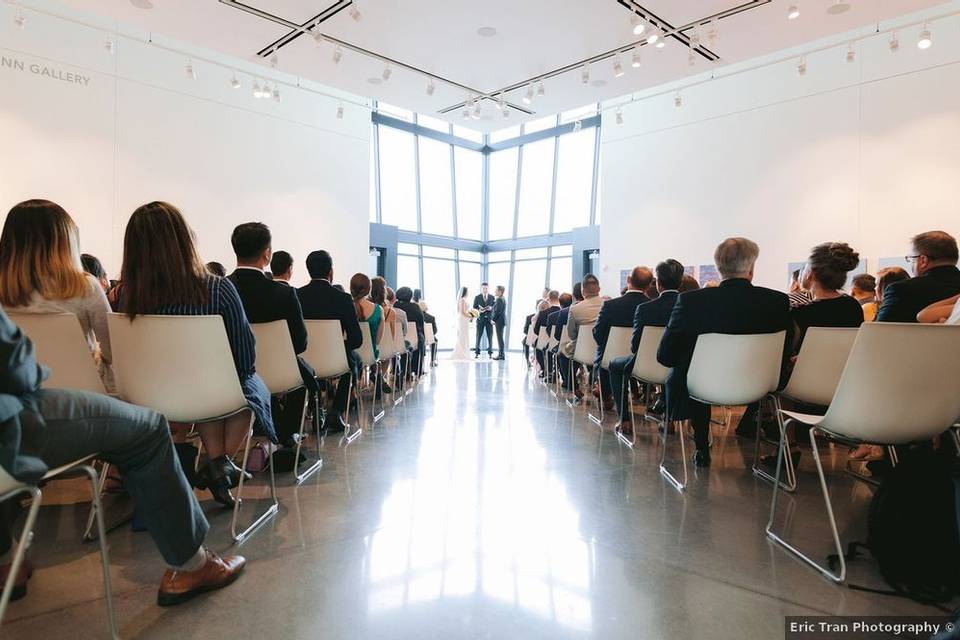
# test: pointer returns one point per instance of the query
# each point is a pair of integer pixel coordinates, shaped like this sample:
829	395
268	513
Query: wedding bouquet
473	313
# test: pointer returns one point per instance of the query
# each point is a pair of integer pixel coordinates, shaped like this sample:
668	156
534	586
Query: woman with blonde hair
41	272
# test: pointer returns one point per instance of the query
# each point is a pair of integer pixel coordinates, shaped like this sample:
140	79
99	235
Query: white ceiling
534	37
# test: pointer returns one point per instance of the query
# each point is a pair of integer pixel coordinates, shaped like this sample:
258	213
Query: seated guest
829	264
934	258
91	264
557	321
542	321
618	312
655	313
689	283
320	300
216	269
527	323
281	266
583	312
367	311
267	301
48	428
864	289
736	307
162	274
378	296
943	312
432	321
40	273
401	316
415	315
798	295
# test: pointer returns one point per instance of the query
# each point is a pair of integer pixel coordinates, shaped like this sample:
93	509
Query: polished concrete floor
480	508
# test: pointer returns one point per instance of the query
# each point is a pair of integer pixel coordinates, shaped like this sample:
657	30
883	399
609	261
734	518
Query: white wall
866	153
140	130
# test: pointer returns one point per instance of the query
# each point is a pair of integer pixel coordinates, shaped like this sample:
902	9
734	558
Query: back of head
830	263
39	251
735	257
590	286
577	291
553	297
640	278
688	283
250	240
543	306
889	275
417	294
280	263
391	295
161	266
566	300
404	294
217	269
359	286
319	264
669	275
865	283
378	291
937	246
91	264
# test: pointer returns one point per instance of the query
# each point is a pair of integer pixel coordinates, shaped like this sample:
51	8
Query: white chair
885	365
646	369
552	355
368	360
10	487
543	339
618	346
531	341
400	349
414	338
328	357
814	380
584	352
728	369
61	346
182	367
277	365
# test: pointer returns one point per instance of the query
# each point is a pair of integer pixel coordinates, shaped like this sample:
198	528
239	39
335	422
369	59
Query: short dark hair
404	294
689	283
501	288
319	264
280	262
484	284
250	240
670	274
578	291
936	245
91	264
865	282
566	300
591	282
216	269
640	278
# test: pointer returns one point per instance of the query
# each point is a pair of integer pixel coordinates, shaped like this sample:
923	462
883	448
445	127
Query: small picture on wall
690	270
792	268
709	275
898	261
624	275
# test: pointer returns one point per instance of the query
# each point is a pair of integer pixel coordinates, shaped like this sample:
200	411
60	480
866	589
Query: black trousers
499	326
484	326
287	413
342	398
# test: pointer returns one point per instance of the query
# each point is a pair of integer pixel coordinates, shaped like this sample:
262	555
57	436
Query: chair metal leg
26	537
667	426
572	400
622	438
777	539
398	383
274	508
91	517
598	420
318	464
348	437
377	387
104	553
791	481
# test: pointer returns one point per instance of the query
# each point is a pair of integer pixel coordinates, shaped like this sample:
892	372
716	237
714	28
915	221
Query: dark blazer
21	426
500	311
735	307
543	319
429	319
481	300
414	315
266	300
321	301
655	313
526	326
902	301
616	312
561	322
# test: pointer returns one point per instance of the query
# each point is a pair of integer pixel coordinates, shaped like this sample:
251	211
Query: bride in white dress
462	350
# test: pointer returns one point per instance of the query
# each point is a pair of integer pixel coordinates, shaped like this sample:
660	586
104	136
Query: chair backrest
820	363
61	346
542	339
276	359
645	365
730	369
554	340
7	482
387	343
618	345
399	340
181	366
901	383
325	352
531	336
565	335
585	351
366	346
428	336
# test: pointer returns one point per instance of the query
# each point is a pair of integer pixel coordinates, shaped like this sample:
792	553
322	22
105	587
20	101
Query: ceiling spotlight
430	87
617	67
235	81
354	12
528	96
109	46
635	58
466	111
276	94
638	25
851	53
838	7
142	4
653	38
476	110
678	100
894	42
340	111
317	36
256	88
274	61
506	112
793	12
190	70
691	58
661	43
585	73
713	33
541	91
925	41
337	54
802	67
501	102
619	116
387	72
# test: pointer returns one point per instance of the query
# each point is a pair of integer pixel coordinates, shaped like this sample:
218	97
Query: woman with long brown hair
367	311
163	274
41	272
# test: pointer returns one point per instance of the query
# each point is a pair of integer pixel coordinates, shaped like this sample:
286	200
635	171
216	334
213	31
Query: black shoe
233	472
746	432
701	458
385	388
769	463
283	460
476	354
335	423
219	482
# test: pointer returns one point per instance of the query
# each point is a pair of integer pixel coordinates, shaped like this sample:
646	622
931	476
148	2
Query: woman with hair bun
828	266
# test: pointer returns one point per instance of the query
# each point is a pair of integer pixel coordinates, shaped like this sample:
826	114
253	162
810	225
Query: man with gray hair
582	313
735	307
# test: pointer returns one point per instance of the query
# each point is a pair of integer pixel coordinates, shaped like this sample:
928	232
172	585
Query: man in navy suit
934	257
655	313
735	307
563	362
618	312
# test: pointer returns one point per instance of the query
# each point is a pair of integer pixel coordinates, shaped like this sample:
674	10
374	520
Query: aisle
481	507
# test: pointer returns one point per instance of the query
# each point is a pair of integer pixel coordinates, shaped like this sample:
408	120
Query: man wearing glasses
934	260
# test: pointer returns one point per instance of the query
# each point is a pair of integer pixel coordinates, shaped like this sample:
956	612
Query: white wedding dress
462	350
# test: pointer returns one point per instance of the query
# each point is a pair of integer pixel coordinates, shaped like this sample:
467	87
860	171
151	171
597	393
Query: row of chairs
883	384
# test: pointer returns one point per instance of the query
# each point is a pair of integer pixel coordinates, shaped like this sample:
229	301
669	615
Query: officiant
483	303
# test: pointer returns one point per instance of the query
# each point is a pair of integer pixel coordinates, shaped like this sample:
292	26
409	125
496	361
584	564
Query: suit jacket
266	300
500	311
584	312
902	301
430	320
543	318
321	301
21	425
562	316
483	301
655	313
414	315
735	307
617	312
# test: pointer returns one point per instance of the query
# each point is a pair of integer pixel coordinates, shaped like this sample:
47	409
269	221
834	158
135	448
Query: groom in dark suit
500	319
483	303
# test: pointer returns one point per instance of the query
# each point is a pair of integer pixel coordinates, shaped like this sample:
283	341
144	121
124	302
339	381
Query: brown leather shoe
625	428
20	583
216	573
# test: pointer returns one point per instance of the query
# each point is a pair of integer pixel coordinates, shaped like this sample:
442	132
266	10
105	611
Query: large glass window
408	272
529	277
440	293
536	188
398	183
469	181
561	270
574	180
503	192
436	188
